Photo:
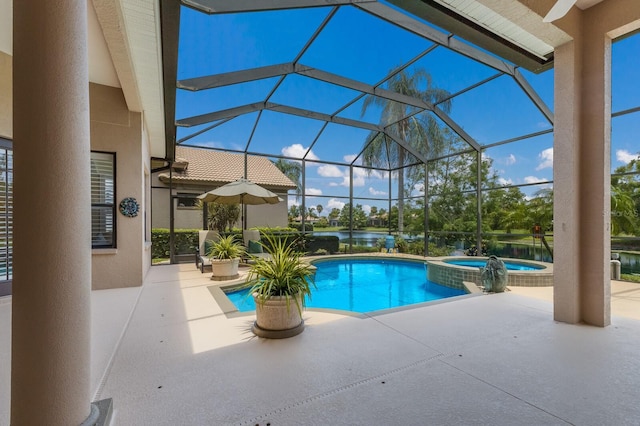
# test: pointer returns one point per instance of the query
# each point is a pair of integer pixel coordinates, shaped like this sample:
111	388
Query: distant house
197	171
377	220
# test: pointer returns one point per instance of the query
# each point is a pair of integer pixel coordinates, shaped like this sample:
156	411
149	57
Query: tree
311	212
323	222
319	208
292	170
421	132
625	199
221	216
359	217
540	210
334	213
294	212
514	210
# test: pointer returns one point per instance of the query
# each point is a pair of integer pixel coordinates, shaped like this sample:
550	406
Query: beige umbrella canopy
242	191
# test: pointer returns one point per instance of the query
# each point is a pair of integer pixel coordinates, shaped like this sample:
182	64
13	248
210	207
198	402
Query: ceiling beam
213	81
234	77
220	115
259	106
322	117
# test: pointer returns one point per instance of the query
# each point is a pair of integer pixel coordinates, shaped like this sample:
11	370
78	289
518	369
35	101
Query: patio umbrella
242	191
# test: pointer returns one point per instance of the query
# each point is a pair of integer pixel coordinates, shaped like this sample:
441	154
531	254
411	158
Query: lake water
630	262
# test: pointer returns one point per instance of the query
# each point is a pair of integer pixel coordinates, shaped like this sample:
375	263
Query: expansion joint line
335	391
524	401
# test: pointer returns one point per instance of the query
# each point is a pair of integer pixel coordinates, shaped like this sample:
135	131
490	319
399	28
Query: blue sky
358	46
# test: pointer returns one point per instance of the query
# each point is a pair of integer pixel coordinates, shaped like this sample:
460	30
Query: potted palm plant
280	286
225	254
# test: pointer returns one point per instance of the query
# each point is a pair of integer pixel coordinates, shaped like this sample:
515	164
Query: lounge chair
205	238
253	246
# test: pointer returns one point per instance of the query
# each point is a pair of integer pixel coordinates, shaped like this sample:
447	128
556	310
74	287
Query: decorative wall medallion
129	207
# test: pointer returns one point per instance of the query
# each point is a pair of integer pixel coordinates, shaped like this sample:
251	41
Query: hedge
186	241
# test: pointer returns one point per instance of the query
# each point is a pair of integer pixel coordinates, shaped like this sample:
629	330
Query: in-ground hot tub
452	271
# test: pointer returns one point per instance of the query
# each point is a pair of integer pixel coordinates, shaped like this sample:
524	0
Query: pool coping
454	275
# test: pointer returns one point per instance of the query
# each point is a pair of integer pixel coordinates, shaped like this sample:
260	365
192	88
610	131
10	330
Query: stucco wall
116	129
146	201
6	96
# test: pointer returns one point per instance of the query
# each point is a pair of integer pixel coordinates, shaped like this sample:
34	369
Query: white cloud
511	159
366	208
624	156
329	170
313	191
357	180
533	179
291	201
503	181
335	204
349	157
373	191
297	151
546	159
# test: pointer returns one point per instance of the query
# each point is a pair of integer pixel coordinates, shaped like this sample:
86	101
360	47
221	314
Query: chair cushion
254	247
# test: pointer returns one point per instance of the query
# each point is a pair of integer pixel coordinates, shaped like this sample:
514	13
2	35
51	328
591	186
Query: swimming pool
365	285
511	266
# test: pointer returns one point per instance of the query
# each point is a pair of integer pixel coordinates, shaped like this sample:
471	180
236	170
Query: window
187	201
103	208
6	216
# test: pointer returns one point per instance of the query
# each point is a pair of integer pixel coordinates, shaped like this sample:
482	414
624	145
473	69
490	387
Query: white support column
582	141
52	245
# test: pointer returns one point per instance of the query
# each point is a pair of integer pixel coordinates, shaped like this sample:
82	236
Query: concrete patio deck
167	355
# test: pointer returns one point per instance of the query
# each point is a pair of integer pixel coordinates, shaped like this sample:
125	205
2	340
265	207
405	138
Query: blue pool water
481	263
365	285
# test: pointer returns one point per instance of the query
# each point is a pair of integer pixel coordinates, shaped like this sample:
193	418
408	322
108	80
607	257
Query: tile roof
206	166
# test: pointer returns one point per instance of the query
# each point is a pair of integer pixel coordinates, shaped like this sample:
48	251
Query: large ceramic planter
224	269
275	320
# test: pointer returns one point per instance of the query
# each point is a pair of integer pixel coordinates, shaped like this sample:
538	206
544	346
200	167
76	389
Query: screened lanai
386	108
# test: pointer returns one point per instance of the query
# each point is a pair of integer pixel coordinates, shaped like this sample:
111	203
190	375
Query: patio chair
205	238
252	245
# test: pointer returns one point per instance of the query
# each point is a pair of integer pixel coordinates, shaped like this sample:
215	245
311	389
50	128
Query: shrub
323	222
308	227
186	241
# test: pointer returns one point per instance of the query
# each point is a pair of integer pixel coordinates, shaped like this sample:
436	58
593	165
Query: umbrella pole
244	213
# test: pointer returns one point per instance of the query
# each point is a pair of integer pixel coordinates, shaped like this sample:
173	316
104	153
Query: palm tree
422	131
319	208
292	170
221	216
